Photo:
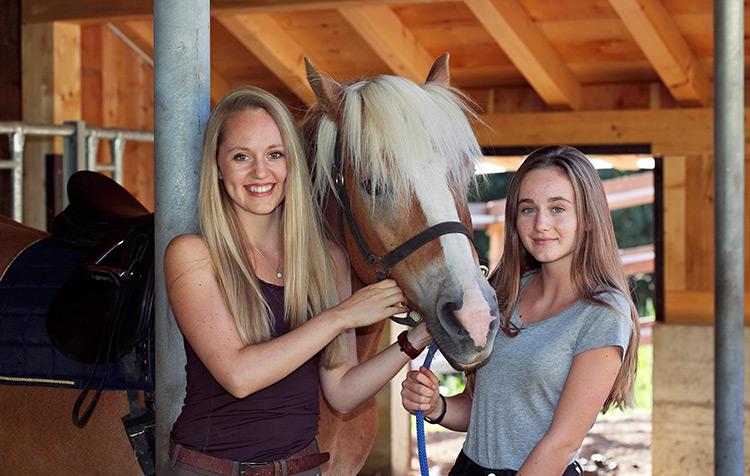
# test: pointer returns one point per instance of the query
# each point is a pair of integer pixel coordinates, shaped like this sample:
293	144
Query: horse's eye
371	189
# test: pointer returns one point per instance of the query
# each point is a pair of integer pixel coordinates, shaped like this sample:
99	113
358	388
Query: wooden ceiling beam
668	131
529	50
382	29
277	50
141	33
655	31
37	11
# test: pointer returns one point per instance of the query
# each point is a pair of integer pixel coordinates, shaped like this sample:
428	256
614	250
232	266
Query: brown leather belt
307	458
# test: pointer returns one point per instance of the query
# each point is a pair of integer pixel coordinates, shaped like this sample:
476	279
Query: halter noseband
385	263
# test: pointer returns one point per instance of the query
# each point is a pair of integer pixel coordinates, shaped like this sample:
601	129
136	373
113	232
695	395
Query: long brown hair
309	287
596	266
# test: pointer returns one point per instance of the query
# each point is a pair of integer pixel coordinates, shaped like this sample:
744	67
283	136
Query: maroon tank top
269	424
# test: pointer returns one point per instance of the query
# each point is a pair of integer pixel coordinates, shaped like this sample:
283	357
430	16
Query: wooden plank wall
118	87
689	240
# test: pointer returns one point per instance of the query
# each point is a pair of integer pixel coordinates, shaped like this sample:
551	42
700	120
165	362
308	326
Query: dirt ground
618	444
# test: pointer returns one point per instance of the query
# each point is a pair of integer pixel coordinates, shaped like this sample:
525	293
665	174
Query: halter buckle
381	271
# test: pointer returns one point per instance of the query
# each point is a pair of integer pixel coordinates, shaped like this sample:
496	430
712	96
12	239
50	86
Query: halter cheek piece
384	264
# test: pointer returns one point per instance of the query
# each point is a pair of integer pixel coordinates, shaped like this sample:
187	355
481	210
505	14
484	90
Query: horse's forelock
395	131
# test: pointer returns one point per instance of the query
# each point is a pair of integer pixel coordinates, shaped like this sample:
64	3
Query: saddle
107	307
76	307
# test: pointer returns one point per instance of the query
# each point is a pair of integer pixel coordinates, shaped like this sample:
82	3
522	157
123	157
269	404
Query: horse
77	317
394	160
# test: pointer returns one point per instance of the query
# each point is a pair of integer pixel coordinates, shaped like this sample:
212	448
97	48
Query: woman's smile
260	189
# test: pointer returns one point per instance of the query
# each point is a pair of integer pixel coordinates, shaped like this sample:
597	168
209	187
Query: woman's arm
209	327
589	382
348	386
420	392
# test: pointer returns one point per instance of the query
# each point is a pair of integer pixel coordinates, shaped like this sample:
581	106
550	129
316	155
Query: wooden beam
141	33
529	50
668	131
382	29
694	307
269	42
37	11
655	31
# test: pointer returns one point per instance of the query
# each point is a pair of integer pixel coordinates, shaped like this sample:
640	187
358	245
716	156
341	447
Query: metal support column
16	147
74	155
729	153
181	108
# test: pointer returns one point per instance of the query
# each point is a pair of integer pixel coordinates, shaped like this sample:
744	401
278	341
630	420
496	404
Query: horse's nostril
447	318
450	307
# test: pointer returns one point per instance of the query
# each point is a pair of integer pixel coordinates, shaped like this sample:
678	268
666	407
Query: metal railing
79	153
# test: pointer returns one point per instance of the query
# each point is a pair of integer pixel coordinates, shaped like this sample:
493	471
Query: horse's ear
327	91
440	73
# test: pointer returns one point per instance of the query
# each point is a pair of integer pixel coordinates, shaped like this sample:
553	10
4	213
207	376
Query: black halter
384	264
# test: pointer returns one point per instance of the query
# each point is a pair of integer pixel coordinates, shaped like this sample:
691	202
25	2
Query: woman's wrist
419	337
434	416
335	320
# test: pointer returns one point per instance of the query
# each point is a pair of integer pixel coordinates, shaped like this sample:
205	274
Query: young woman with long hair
263	301
570	330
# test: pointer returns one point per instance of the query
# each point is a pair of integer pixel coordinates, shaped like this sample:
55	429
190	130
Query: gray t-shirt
517	390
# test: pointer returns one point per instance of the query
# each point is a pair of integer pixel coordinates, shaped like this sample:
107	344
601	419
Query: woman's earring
221	177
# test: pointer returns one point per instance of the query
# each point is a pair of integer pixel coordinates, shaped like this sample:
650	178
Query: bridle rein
384	264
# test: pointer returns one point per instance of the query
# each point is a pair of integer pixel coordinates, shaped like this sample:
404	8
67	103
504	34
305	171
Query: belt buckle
257	465
249	466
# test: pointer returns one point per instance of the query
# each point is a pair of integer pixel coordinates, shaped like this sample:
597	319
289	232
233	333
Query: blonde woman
263	301
570	330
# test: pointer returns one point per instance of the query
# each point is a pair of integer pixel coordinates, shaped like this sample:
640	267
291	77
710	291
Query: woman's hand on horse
371	304
420	392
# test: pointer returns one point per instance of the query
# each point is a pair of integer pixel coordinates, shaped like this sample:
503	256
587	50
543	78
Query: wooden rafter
278	51
529	50
655	31
382	29
142	35
39	11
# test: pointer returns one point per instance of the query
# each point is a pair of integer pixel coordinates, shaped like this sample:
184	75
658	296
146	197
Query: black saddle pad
27	357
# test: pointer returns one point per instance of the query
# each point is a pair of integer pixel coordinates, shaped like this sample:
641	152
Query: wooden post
10	83
496	234
391	451
51	74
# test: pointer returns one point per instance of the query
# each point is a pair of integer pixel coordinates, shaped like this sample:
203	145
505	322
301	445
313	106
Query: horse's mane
411	129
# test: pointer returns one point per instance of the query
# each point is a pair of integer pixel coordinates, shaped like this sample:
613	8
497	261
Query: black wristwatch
442	413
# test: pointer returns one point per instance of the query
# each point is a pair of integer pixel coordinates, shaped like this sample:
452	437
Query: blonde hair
309	287
392	130
596	266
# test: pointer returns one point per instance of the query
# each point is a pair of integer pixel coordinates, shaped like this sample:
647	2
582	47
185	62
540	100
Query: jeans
464	466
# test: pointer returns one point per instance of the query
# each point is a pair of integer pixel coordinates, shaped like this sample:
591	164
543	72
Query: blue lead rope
423	466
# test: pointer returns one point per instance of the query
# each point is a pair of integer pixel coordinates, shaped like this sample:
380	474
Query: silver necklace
279	273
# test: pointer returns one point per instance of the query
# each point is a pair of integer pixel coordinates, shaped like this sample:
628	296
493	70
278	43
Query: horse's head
400	156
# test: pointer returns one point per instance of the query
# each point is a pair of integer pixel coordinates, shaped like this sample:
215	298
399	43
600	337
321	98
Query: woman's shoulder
615	299
187	243
187	250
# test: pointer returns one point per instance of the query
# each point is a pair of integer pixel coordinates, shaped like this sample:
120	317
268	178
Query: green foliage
644	384
451	383
642	290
